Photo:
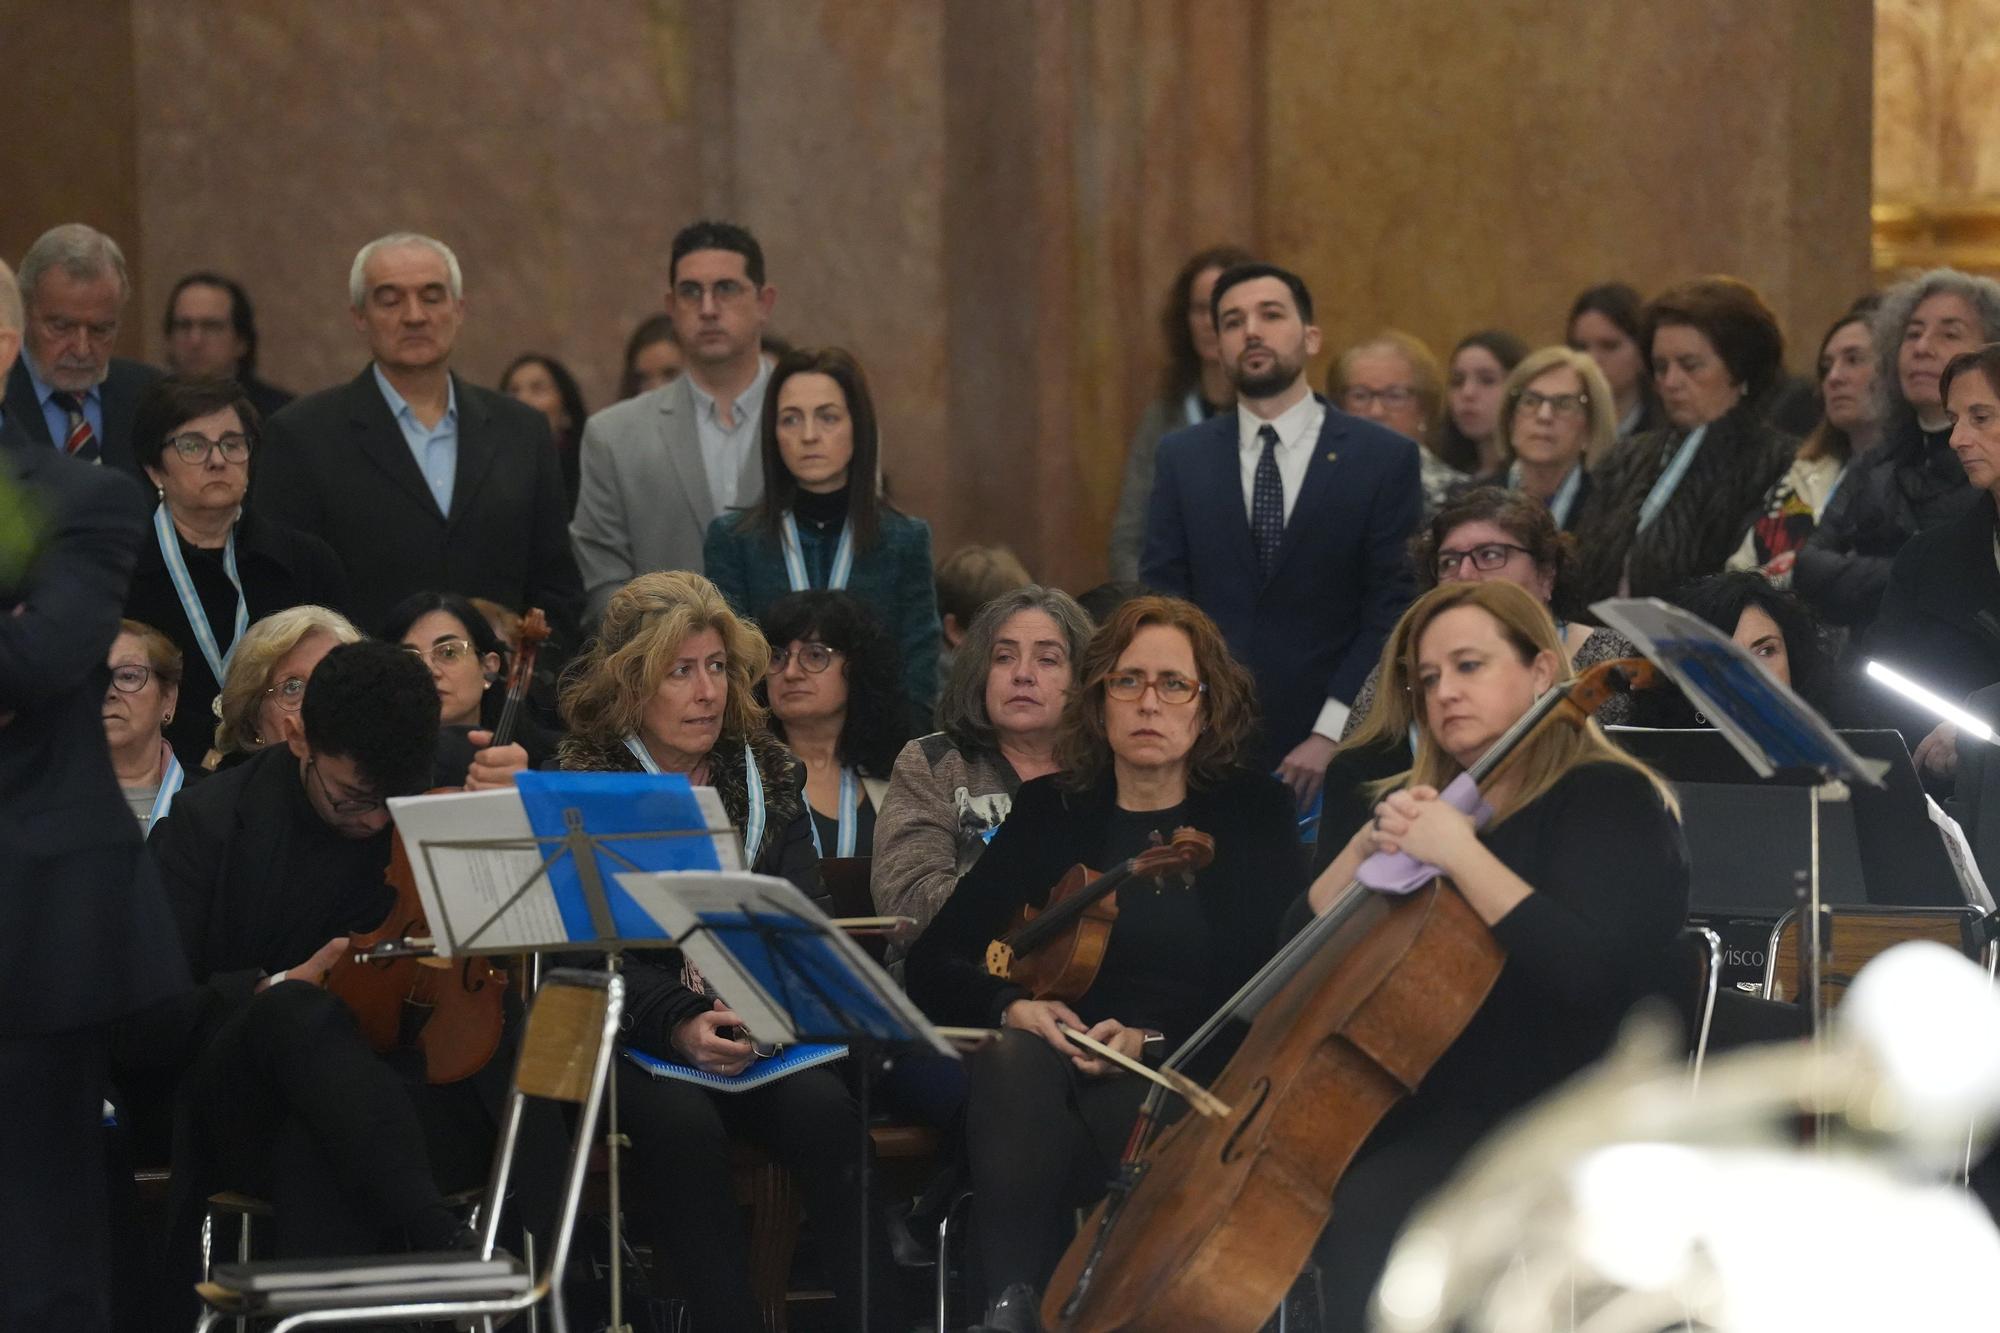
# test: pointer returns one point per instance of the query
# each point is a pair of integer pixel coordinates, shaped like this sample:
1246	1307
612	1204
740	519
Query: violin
1055	950
402	994
1209	1222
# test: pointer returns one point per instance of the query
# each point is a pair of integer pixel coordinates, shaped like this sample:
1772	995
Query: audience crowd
732	594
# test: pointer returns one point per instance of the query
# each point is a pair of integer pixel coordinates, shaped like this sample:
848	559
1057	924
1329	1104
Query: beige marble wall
984	199
1937	122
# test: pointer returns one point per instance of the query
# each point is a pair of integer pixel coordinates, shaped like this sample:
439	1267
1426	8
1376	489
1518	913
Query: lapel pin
1330	455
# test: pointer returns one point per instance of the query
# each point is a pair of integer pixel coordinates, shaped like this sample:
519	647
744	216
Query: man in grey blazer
658	468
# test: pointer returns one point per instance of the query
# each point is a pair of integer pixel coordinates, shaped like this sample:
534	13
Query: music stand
531	869
787	970
1771	727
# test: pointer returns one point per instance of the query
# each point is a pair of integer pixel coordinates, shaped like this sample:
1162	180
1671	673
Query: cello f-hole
1263	1091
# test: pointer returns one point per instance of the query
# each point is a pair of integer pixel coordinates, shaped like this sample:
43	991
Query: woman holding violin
1580	874
1149	744
668	687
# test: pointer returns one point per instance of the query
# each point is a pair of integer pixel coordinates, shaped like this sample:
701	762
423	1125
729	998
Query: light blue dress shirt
435	448
725	451
56	415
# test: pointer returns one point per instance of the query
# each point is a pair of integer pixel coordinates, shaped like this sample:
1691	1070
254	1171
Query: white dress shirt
1298	428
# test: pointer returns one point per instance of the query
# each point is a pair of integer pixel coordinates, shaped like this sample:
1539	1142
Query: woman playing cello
1580	874
1149	743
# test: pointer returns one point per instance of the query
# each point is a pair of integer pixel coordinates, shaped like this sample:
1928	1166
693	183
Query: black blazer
85	934
280	567
1940	621
1313	630
120	390
335	464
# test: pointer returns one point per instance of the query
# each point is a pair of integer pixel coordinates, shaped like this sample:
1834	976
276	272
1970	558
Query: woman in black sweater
1148	744
1580	874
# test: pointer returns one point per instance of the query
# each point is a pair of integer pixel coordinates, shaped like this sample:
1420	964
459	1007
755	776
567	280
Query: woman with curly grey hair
1911	481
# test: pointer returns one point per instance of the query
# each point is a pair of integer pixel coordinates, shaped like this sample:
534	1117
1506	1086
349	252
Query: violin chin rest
999	959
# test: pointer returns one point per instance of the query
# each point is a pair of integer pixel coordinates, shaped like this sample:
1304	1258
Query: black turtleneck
821	511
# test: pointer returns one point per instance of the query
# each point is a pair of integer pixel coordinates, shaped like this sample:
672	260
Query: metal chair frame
351	1306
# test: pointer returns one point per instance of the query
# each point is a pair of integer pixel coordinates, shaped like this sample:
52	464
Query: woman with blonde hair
267	678
667	686
1578	871
1556	415
1394	379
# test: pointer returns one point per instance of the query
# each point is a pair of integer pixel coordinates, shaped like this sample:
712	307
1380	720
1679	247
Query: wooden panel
1858	936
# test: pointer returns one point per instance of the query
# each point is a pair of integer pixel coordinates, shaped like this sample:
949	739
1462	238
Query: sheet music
461	887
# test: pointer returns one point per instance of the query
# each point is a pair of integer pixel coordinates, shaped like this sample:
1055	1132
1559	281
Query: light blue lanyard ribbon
753	827
171	778
850	819
1670	480
795	560
191	607
1192	408
1565	497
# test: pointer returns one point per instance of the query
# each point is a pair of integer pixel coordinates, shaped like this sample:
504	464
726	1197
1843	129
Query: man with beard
1286	521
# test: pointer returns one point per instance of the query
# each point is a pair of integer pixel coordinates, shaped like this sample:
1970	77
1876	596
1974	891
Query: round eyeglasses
813	657
1130	686
289	693
130	678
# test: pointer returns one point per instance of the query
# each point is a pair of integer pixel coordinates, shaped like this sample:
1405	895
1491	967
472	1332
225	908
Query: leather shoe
1017	1311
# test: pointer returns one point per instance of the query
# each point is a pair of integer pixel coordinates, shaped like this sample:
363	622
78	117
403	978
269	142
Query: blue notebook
788	1061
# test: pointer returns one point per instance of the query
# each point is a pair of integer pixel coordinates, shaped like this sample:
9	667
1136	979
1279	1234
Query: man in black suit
417	479
211	329
1286	521
68	391
85	933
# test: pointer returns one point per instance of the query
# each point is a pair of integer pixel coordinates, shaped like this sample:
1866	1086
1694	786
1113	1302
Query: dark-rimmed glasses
1130	687
191	448
1487	556
345	805
1562	404
813	657
130	678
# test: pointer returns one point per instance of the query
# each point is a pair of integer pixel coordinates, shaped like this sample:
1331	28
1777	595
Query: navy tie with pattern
80	440
1267	502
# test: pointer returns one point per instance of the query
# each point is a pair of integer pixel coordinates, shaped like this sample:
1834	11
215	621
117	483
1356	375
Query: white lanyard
850	819
191	607
1670	480
1565	497
795	560
753	827
171	778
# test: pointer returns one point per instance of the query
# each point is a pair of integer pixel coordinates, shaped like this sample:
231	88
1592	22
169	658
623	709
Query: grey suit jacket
642	499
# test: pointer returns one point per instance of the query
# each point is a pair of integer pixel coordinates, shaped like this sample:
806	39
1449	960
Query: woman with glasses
836	701
1674	503
1149	742
468	664
145	686
1555	415
668	686
822	522
267	678
211	566
1394	379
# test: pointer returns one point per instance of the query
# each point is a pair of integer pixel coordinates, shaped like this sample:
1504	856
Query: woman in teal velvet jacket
822	524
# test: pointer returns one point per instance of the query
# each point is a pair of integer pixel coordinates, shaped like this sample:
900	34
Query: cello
1209	1222
402	994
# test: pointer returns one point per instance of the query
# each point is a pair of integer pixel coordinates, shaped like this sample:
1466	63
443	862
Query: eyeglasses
130	678
1562	404
443	653
1489	556
193	448
1130	686
813	657
62	330
726	291
1358	399
289	692
346	805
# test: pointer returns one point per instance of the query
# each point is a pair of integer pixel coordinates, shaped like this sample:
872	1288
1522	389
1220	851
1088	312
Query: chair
1703	948
565	1056
1856	935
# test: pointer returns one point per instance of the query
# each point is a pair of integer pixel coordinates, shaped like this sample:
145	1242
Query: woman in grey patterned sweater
950	791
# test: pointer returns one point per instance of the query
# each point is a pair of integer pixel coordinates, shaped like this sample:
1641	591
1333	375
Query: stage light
1917	694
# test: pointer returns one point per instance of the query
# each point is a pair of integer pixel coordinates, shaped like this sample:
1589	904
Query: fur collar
783	776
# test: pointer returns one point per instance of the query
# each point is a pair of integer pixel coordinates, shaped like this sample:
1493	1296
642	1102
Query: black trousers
1042	1140
54	1228
684	1193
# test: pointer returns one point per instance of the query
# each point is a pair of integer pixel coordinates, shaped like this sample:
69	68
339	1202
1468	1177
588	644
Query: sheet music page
462	887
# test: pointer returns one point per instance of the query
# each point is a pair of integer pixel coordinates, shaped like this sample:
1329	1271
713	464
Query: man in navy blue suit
1286	521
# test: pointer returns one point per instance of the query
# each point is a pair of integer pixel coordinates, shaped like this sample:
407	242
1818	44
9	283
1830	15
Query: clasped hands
1416	822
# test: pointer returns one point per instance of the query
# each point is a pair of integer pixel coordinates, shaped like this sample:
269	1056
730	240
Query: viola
451	1010
1055	950
1209	1222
